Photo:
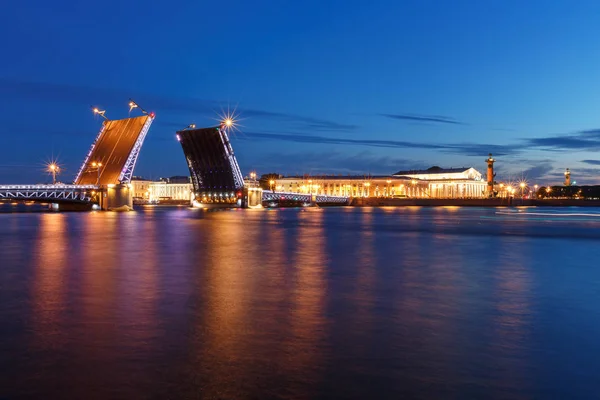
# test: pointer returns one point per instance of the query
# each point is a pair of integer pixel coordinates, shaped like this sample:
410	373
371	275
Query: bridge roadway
59	193
275	196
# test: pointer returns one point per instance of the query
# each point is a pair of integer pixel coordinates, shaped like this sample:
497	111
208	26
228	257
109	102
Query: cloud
200	108
299	138
364	162
582	140
423	118
475	149
591	162
538	171
308	123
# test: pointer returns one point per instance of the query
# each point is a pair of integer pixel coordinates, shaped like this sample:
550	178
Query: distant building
464	182
154	191
434	182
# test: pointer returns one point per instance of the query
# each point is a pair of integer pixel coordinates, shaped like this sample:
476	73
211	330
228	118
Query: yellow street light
53	169
100	112
97	165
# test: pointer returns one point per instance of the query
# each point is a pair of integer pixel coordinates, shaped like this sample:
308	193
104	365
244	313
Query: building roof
433	170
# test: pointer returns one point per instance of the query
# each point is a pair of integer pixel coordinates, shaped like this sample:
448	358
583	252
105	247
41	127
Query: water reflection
511	319
303	349
309	303
50	281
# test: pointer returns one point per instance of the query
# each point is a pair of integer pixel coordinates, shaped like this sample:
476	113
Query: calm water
358	303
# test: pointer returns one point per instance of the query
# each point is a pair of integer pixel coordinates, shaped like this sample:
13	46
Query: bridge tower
567	177
490	175
110	163
215	173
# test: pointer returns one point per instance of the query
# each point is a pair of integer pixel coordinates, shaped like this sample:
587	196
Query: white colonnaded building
435	182
166	189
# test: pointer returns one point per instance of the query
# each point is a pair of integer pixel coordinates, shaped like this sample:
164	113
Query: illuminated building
434	182
164	189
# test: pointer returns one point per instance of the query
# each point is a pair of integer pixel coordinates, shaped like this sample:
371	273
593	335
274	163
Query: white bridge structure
304	197
48	193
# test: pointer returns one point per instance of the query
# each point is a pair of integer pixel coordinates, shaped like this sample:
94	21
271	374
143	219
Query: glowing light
100	112
229	120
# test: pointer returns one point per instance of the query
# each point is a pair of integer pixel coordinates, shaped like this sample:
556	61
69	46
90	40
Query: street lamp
133	104
535	190
100	112
522	184
97	166
53	169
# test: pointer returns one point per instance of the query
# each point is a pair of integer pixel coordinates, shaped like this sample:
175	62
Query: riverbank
497	202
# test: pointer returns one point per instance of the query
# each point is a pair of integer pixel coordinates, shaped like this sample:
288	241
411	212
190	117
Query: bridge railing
46	192
272	196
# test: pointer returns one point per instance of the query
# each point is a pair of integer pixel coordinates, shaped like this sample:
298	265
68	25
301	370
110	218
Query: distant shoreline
497	202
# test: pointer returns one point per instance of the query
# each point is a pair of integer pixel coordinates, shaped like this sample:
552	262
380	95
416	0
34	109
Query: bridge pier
116	198
252	197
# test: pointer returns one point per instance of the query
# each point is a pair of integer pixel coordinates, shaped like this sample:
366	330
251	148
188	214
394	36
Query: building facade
434	182
155	191
452	183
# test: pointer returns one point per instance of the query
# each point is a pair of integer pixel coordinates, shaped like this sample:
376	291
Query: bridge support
116	198
252	197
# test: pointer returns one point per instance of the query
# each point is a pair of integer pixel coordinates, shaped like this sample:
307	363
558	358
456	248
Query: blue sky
321	86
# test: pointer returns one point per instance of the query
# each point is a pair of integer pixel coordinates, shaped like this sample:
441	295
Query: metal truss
77	193
89	154
127	171
235	168
272	196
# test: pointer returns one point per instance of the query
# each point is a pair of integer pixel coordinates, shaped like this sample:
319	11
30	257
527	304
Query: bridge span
304	197
48	193
105	175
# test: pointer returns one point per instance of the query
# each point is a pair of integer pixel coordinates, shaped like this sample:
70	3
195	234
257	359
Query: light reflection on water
309	303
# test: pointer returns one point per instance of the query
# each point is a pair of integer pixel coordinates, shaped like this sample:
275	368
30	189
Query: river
348	303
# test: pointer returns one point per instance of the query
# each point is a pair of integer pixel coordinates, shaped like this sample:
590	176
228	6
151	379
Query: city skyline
318	88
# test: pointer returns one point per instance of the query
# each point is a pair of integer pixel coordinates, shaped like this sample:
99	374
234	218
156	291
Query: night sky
338	87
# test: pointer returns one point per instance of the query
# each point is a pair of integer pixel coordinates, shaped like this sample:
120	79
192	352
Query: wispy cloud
480	149
299	138
582	140
364	162
198	109
591	162
424	118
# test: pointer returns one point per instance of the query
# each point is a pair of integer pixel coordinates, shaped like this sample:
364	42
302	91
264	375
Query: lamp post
100	113
53	169
97	166
522	184
535	191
